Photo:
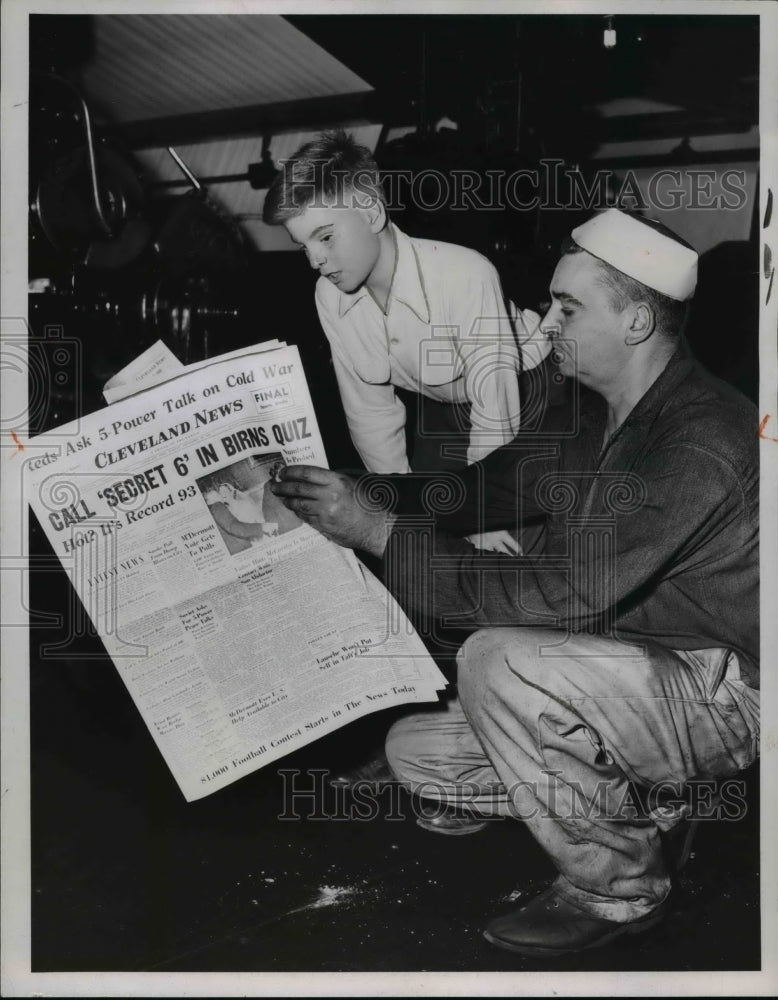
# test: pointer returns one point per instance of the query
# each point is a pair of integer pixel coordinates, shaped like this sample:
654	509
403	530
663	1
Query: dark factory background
127	247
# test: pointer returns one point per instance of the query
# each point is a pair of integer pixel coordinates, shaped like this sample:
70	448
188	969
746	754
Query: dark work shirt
653	537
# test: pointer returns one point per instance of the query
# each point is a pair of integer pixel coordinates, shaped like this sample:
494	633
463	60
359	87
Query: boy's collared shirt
444	332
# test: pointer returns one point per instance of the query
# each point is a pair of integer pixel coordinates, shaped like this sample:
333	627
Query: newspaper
158	364
154	365
240	632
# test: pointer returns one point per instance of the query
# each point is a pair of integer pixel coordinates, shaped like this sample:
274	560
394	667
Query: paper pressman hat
641	252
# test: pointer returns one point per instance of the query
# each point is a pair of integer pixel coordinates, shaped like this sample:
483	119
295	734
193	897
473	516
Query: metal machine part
113	267
188	312
87	199
65	209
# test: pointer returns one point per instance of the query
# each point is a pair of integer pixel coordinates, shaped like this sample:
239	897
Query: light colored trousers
553	728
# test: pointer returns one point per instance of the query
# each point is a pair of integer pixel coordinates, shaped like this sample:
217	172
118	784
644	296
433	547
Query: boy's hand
328	502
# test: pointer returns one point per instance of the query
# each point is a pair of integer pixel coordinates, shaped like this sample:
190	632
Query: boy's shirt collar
407	285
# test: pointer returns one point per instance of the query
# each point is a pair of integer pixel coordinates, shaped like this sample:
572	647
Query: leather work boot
551	925
678	843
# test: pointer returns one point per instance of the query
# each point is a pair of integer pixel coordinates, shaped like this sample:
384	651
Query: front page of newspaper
240	632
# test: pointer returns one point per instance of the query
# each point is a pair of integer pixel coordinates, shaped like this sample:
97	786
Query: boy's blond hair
327	169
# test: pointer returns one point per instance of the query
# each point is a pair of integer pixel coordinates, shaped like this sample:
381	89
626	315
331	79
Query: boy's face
340	242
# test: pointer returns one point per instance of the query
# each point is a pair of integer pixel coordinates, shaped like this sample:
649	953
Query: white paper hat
640	251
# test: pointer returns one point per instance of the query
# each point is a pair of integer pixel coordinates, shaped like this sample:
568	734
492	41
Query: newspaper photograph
204	587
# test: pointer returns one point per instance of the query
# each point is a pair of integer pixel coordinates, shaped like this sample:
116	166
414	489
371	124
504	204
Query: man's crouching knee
486	655
413	750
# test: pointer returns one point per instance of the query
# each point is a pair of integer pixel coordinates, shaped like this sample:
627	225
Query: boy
405	313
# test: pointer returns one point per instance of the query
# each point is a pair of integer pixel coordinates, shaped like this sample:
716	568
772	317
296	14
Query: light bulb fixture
609	35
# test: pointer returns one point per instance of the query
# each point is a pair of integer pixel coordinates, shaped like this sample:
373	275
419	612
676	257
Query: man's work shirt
445	333
652	537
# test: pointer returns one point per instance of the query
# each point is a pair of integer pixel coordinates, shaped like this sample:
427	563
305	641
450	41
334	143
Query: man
624	651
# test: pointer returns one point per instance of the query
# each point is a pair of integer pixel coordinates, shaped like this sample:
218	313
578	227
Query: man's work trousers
554	728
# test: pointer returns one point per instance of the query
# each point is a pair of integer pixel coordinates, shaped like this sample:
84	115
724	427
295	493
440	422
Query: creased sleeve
670	526
374	414
490	361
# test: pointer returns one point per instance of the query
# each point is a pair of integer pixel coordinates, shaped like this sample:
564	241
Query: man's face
339	242
587	331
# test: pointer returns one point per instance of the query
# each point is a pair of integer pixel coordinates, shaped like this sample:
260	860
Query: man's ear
642	325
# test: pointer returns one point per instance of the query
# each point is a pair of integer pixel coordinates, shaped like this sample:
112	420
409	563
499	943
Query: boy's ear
376	215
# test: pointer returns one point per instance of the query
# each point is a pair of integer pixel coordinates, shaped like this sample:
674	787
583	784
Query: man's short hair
330	167
670	314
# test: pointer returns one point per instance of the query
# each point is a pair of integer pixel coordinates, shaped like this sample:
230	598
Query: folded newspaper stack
240	632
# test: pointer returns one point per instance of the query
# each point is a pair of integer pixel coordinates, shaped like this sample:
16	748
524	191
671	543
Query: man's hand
328	501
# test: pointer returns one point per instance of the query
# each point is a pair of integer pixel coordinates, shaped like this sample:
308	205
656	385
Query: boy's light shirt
445	333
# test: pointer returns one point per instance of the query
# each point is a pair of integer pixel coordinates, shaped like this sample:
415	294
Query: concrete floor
129	877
